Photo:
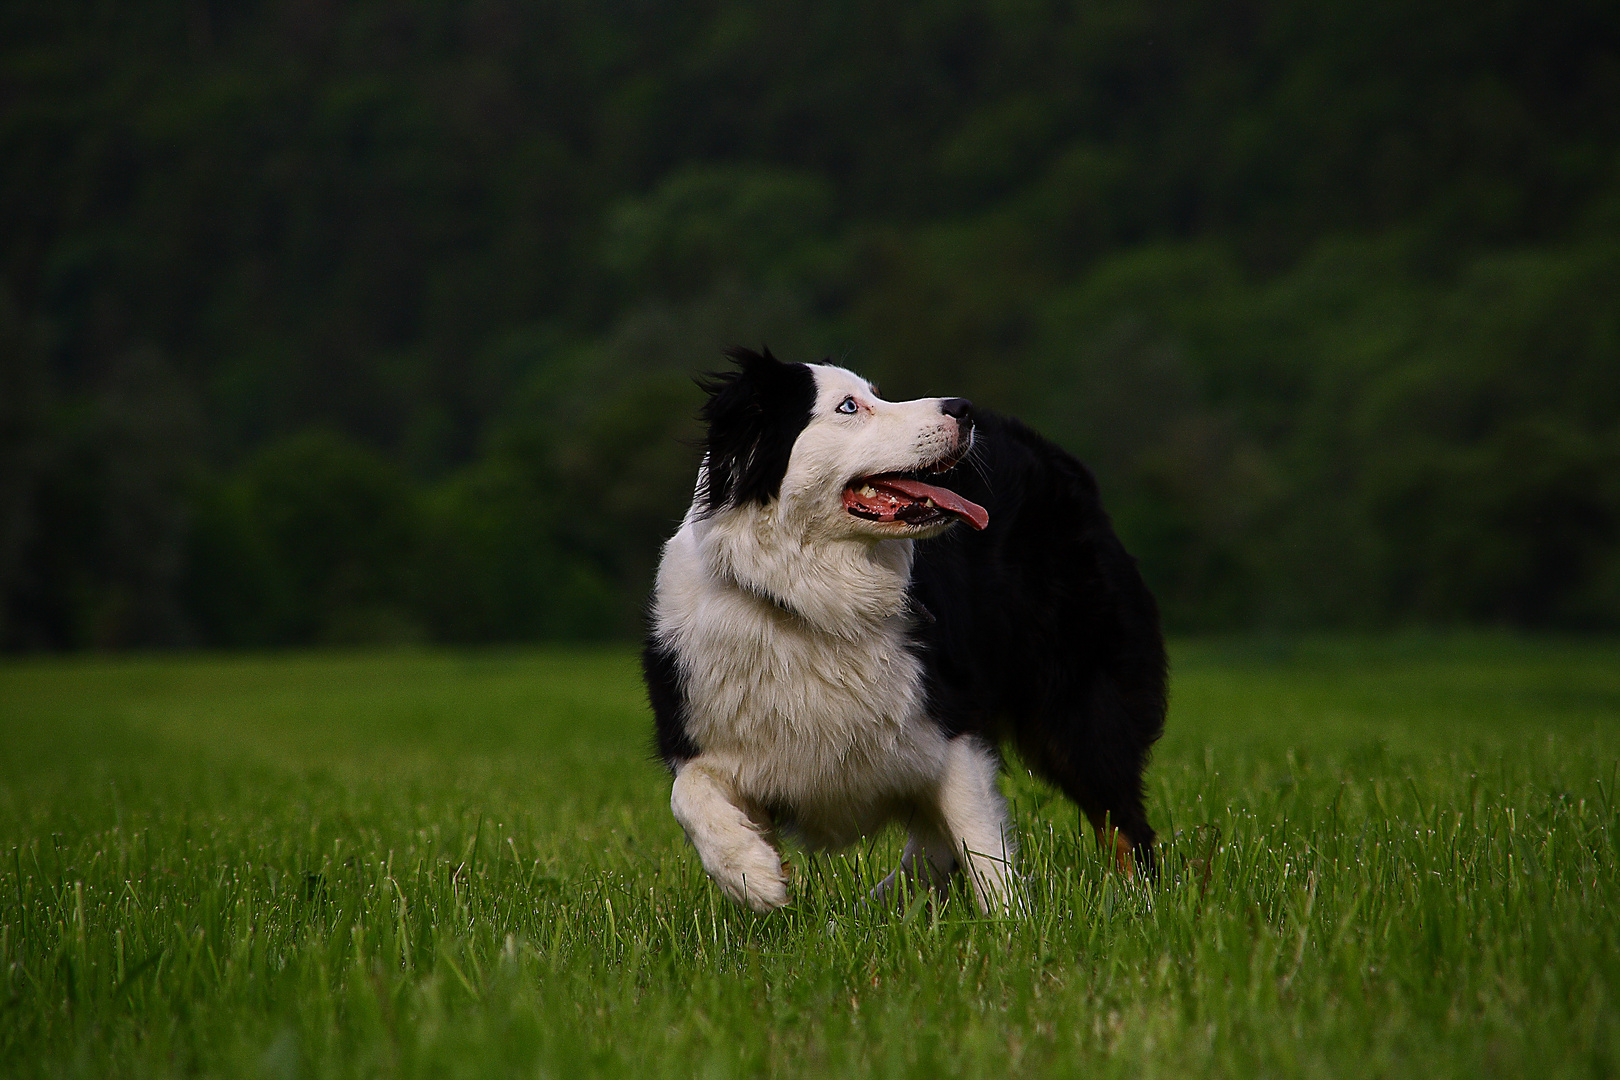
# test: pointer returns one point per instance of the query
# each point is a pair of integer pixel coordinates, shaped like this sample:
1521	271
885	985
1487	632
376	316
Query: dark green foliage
1325	291
314	539
96	507
1342	443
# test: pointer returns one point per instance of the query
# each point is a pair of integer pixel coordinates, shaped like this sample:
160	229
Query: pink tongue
976	515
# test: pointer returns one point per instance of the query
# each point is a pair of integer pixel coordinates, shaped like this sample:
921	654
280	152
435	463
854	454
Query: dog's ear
754	414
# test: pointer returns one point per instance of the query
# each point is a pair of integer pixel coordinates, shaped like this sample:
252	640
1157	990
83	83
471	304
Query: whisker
976	459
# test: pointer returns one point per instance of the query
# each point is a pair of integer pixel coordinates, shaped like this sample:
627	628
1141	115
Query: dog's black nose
959	407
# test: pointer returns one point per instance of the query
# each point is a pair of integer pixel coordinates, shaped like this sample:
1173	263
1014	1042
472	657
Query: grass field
1382	858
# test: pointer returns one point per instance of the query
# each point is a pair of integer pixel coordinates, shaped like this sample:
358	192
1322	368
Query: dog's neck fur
848	587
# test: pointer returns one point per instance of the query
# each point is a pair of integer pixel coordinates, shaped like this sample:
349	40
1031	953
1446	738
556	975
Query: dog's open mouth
908	500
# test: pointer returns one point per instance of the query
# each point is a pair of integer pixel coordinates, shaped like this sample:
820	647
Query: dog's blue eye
846	406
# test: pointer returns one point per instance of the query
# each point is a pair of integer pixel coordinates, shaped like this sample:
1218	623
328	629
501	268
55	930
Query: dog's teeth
867	491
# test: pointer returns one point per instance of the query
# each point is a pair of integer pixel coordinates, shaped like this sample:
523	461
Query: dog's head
818	441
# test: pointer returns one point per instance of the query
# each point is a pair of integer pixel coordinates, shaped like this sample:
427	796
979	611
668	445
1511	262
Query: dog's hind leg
729	837
1096	754
927	862
974	816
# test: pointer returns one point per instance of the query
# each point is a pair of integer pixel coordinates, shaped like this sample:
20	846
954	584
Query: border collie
865	601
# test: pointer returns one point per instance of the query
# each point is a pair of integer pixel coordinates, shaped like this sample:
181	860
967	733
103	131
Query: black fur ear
754	415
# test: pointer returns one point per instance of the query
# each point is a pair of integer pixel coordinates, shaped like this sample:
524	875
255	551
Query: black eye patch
754	416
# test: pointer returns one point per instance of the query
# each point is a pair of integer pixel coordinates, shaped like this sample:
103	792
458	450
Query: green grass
1382	858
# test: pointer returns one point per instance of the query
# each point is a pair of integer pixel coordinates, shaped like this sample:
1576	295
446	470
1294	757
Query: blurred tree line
326	321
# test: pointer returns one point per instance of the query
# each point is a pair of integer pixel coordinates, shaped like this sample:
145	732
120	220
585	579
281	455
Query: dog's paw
751	874
731	842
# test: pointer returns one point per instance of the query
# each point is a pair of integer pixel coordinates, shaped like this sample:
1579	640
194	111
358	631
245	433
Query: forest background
365	321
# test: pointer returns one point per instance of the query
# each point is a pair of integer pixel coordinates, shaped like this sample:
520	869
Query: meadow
1385	857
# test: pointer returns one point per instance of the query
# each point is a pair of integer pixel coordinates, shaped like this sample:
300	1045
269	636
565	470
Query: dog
865	602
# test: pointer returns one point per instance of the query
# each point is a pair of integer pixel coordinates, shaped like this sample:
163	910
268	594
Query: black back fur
1040	630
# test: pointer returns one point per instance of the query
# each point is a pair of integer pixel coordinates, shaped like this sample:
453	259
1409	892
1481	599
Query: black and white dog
831	649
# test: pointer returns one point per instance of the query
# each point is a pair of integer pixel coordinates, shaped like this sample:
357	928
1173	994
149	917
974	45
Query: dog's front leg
975	817
729	839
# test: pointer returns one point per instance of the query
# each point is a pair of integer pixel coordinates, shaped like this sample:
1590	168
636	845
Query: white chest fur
815	708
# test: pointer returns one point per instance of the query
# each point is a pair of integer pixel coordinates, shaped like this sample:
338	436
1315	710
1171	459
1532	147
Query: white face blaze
868	436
